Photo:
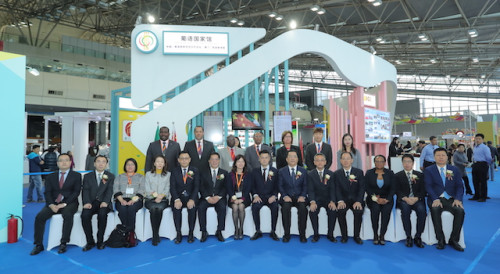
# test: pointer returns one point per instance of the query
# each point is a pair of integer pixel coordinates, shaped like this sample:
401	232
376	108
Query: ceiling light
423	37
473	33
272	14
314	8
371	1
321	11
448	76
433	60
379	39
241	23
483	76
33	71
398	62
151	18
372	49
377	3
293	24
233	21
279	17
475	59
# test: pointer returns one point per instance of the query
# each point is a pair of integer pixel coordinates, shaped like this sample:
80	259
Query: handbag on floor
119	237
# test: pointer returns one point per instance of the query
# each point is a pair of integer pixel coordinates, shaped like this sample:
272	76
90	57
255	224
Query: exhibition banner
282	121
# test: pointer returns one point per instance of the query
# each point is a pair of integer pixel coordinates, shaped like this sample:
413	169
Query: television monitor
247	120
377	126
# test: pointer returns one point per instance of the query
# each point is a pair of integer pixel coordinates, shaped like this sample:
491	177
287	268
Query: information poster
212	123
282	122
377	126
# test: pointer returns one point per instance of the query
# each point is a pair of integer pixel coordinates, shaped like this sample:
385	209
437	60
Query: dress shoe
474	198
456	245
88	247
332	239
375	239
440	244
469	193
204	236
286	238
303	239
62	249
257	235
154	242
315	238
241	233
488	198
190	237
274	236
219	236
40	201
30	201
418	242
37	249
381	240
101	246
358	240
409	242
343	240
178	239
481	200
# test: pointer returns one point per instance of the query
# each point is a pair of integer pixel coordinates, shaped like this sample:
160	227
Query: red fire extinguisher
12	228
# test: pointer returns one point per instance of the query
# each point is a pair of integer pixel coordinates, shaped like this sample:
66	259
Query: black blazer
388	189
102	193
171	154
281	156
347	190
200	163
403	188
289	187
321	190
190	189
311	151
207	188
70	190
232	185
265	189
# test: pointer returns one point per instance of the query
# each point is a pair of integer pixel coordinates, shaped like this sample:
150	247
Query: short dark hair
346	152
421	142
183	152
407	156
432	138
318	130
63	154
379	156
460	145
101	156
320	154
480	135
214	153
489	142
35	146
440	149
265	152
129	160
199	127
292	150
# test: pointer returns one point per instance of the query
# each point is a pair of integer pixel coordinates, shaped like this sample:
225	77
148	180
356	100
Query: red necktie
199	149
232	154
61	183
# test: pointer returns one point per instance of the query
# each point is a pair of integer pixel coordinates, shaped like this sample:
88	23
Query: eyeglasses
184	158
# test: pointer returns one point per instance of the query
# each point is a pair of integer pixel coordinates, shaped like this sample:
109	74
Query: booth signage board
377	126
370	100
407	134
196	43
282	121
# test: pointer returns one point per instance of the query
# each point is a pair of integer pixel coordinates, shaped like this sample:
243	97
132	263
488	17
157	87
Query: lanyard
238	181
129	178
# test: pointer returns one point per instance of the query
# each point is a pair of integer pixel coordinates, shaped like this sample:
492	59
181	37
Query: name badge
231	164
129	190
239	194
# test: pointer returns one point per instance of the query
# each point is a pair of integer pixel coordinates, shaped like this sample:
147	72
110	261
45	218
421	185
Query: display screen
377	126
243	120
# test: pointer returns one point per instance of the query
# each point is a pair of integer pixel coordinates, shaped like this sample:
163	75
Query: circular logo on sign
146	41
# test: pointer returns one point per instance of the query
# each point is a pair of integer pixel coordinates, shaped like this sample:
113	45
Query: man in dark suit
252	152
61	195
350	190
199	150
318	147
410	190
96	197
265	192
321	193
170	149
213	194
445	189
292	182
184	187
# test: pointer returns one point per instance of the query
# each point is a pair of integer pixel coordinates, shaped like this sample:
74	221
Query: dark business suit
322	191
171	154
293	188
210	189
350	192
252	155
185	192
455	188
387	191
201	163
70	192
265	188
418	190
245	188
312	150
281	156
94	194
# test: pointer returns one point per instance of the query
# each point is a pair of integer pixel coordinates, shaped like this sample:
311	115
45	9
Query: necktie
232	154
100	178
61	183
264	174
199	149
293	174
164	146
258	148
319	148
408	174
347	174
320	175
443	177
214	177
184	172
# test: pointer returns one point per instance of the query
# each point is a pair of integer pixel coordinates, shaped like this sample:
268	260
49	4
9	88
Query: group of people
198	177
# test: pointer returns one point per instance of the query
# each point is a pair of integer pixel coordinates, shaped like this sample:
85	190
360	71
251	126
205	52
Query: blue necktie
443	177
319	148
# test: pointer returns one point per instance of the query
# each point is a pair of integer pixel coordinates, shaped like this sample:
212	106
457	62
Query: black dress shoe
37	249
409	242
456	245
375	239
241	233
418	242
274	236
286	238
358	240
481	200
101	246
255	236
440	244
343	240
62	249
190	237
469	193
88	247
303	239
381	240
154	242
332	239
219	236
178	239
204	236
315	238
488	198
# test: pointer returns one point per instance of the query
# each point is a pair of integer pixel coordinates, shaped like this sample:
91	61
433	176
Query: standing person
50	159
349	191
96	198
170	149
460	161
184	187
394	149
265	192
318	147
129	194
482	159
237	142
89	161
445	189
380	190
199	150
410	190
407	148
469	153
348	146
292	182
252	152
61	194
282	152
213	190
321	193
494	156
157	194
427	155
421	145
35	180
239	188
229	153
